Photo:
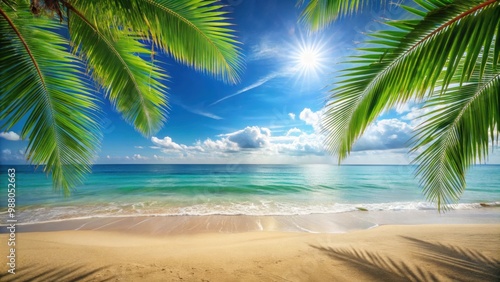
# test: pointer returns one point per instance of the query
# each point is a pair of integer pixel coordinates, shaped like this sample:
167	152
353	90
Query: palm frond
457	134
320	13
9	3
196	33
44	83
426	51
115	58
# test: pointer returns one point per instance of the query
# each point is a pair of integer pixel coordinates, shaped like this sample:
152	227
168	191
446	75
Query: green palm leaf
455	43
43	82
320	13
195	32
132	84
457	133
393	75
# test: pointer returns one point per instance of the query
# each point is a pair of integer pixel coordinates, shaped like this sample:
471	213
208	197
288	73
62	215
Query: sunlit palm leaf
458	132
132	83
319	13
194	32
390	75
453	44
109	33
42	82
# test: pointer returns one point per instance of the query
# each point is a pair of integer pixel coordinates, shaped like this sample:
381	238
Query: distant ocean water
133	190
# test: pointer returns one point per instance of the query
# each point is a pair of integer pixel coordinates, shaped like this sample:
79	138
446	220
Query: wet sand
311	223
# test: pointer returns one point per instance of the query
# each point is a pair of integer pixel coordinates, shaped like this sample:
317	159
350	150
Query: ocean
260	190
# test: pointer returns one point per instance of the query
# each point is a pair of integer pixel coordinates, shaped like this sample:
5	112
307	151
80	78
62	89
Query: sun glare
308	58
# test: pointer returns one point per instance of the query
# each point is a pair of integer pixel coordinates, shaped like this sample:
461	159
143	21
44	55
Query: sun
308	58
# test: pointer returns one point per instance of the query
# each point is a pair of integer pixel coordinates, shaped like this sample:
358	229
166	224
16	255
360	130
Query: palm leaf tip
318	14
60	125
457	135
453	48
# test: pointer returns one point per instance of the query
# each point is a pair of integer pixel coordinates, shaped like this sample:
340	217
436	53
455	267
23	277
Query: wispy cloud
250	87
198	111
264	52
205	114
265	49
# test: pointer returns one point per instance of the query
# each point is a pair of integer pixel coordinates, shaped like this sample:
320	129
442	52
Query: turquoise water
129	190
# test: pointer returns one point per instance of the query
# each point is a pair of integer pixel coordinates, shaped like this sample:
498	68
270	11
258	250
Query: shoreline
313	223
436	252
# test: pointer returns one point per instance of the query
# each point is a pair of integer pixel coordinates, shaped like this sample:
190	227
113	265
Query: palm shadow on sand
47	273
453	263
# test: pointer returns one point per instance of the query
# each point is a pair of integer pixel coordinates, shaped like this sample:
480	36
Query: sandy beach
465	252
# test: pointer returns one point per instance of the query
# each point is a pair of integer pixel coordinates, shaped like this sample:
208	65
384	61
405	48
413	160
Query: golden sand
387	253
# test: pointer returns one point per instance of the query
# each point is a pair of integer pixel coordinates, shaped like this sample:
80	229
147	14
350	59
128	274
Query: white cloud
312	118
385	134
384	141
12	155
414	113
256	143
139	157
168	146
11	136
404	108
302	145
166	143
108	157
138	147
418	115
309	116
293	130
159	158
221	145
251	137
252	142
292	116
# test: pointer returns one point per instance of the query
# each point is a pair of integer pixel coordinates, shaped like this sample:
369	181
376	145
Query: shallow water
256	190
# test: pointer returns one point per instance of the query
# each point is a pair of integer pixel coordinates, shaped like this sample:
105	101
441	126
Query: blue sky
271	116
